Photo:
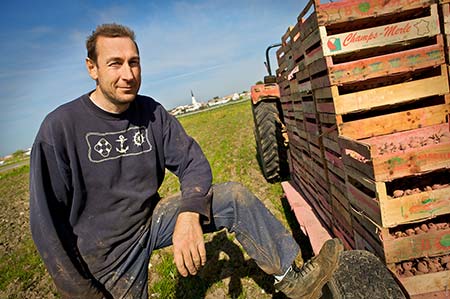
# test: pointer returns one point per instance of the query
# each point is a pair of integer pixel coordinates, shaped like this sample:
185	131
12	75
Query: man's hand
188	246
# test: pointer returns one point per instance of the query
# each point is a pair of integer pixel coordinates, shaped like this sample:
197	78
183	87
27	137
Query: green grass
226	137
20	264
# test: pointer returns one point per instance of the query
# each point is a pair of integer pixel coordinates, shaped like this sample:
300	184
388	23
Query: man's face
117	71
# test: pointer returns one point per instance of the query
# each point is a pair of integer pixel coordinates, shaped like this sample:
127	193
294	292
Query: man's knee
236	192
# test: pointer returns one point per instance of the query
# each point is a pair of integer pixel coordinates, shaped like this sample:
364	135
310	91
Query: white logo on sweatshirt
112	145
103	147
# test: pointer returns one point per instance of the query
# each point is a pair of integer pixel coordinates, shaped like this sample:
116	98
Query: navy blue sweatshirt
94	184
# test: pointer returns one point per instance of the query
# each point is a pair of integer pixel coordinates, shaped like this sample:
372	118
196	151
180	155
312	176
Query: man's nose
127	72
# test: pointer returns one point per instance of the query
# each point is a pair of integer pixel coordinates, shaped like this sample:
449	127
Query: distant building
211	103
187	108
216	102
195	105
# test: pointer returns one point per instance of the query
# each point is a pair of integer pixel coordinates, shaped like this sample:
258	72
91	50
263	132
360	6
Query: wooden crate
342	222
284	53
309	106
432	243
370	157
376	202
388	64
346	238
433	285
389	121
396	118
349	11
312	128
365	241
306	27
285	88
379	36
390	95
320	176
315	199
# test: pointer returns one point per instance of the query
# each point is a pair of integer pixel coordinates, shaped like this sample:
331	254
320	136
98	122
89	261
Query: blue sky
213	47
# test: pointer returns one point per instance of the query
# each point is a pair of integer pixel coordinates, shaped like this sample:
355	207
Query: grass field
226	136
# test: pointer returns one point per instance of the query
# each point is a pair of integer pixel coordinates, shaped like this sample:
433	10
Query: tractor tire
271	150
360	274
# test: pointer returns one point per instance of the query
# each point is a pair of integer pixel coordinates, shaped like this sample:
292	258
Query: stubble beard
116	99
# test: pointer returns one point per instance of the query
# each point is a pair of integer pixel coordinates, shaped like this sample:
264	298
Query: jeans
235	208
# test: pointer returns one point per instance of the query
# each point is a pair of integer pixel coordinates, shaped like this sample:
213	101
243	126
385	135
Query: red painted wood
306	217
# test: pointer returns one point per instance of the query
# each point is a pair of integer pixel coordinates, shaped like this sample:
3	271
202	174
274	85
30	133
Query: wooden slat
445	8
415	207
337	181
380	35
432	243
309	107
389	64
295	34
341	213
364	241
311	39
307	27
305	87
344	236
317	66
364	204
323	93
410	161
286	38
395	122
361	147
313	55
320	82
351	10
427	283
389	95
334	146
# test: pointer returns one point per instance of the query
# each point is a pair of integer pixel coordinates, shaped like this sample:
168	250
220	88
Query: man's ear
92	68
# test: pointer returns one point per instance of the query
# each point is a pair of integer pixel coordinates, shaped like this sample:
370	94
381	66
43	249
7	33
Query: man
95	214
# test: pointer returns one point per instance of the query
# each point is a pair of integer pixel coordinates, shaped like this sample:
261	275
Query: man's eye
114	63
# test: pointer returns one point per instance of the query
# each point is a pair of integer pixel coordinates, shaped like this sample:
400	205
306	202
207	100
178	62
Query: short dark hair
107	30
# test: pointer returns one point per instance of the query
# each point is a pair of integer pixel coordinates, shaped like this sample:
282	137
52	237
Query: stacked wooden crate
377	77
306	153
392	101
322	179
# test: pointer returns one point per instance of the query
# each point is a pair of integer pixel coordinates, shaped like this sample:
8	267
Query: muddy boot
307	282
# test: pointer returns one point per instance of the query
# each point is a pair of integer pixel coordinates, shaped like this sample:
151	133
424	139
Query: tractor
270	131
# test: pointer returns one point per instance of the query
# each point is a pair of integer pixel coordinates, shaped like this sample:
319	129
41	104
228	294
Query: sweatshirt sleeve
184	157
50	228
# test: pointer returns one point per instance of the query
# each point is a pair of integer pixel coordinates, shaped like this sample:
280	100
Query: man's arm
50	228
185	158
